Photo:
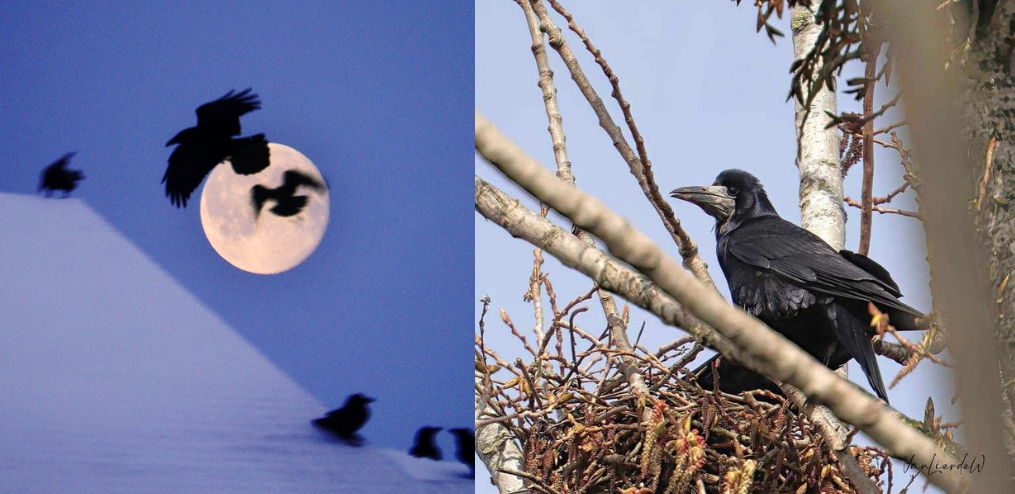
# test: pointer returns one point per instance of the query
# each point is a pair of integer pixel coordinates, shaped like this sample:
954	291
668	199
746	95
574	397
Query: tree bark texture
821	209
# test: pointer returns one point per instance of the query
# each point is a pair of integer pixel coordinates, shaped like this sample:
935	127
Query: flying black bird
795	282
57	177
199	149
286	202
465	441
345	421
425	447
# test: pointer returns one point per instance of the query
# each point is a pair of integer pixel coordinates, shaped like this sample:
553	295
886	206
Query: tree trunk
993	124
955	115
497	448
821	209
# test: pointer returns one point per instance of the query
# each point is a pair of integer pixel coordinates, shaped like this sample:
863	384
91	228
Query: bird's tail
853	335
258	194
908	321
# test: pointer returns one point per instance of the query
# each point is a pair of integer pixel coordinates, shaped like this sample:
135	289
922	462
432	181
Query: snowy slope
115	379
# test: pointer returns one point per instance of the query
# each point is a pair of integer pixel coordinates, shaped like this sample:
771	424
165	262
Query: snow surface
113	379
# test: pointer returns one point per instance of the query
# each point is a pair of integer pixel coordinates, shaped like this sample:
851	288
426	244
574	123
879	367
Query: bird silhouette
57	177
345	421
425	447
286	202
465	440
199	149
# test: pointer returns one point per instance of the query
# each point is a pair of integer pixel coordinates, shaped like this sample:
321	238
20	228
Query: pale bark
821	209
498	450
769	353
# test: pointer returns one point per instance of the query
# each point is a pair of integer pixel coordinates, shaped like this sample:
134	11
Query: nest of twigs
583	429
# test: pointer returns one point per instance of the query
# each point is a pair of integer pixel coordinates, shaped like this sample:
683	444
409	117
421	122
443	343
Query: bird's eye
732	190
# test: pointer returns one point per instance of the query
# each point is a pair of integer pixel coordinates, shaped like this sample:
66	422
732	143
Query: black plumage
465	442
424	446
796	283
56	176
287	203
346	421
199	149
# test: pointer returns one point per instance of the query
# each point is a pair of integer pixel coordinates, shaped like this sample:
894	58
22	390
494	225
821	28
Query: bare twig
891	195
882	210
868	151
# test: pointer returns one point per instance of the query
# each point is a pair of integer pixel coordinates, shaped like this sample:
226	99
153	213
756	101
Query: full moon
264	242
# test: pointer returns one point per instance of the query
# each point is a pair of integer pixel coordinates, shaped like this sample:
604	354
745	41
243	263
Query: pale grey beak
713	199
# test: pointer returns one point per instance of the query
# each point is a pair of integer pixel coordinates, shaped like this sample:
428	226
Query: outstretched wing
63	161
222	116
781	249
188	165
293	178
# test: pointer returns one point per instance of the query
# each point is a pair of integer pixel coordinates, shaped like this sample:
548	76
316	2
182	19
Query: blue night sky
377	94
708	93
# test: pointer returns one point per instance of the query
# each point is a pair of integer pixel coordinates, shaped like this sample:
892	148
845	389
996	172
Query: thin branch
891	195
889	128
867	186
882	210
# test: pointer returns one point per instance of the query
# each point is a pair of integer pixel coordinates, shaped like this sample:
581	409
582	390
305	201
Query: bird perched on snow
797	284
465	441
424	446
199	149
345	421
57	177
287	203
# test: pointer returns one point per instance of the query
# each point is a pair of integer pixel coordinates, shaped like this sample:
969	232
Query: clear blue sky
708	93
377	94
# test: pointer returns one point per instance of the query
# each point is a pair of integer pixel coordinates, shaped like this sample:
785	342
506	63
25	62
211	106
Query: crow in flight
57	177
286	202
345	421
199	149
795	282
424	446
465	441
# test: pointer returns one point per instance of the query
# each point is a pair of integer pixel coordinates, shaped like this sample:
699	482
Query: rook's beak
713	199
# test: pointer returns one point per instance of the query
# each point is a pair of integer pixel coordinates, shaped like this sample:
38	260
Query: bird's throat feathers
750	204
